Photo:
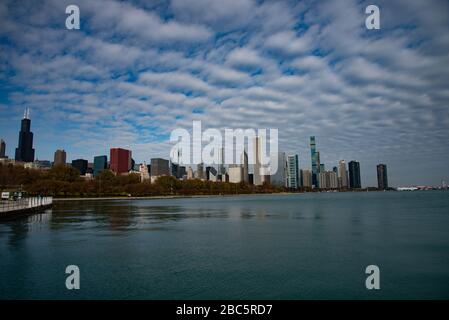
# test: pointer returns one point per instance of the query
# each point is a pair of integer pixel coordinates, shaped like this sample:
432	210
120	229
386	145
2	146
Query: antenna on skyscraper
26	113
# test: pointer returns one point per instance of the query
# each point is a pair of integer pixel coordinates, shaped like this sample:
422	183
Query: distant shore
170	196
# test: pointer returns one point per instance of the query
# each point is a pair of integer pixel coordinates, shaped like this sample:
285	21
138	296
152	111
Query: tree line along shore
66	182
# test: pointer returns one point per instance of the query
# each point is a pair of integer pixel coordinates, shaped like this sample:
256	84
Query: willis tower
25	151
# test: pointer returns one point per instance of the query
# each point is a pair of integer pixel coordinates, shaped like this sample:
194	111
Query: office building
190	173
60	158
328	180
100	164
121	160
174	170
159	167
143	171
80	165
212	174
200	171
306	178
25	151
235	173
315	161
354	175
293	171
382	178
279	178
342	174
182	172
332	179
2	148
322	167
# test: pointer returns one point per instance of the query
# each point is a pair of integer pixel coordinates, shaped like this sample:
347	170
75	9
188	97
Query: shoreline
197	196
171	197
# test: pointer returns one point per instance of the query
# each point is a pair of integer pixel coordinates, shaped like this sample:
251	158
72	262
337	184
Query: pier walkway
9	208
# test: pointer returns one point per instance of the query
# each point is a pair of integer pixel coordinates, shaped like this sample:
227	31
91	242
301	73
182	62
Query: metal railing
26	203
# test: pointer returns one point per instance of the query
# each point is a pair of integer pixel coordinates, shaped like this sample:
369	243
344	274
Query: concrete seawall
17	208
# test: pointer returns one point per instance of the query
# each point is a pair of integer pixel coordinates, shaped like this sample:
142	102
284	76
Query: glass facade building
100	164
315	161
354	175
81	165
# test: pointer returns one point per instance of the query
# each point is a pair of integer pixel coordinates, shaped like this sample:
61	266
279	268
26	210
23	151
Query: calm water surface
303	246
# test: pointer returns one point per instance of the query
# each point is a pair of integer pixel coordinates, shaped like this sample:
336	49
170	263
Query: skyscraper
342	174
120	160
60	158
100	164
354	175
2	149
322	167
315	161
293	171
279	178
382	178
25	151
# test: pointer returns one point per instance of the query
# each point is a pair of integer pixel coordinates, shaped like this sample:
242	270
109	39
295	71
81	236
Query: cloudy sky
137	70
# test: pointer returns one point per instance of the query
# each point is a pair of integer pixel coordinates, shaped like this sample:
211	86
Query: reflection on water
245	247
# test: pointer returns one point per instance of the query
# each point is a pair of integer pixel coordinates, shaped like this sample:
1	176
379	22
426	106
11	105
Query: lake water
301	246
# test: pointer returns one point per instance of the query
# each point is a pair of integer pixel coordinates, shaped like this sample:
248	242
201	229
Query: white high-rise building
328	180
235	173
342	174
143	170
190	173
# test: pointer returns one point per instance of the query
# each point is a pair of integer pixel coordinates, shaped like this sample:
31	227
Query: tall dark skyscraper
382	178
2	149
354	175
25	151
315	161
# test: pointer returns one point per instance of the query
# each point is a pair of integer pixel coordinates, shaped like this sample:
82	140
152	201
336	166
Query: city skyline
289	169
310	70
288	174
